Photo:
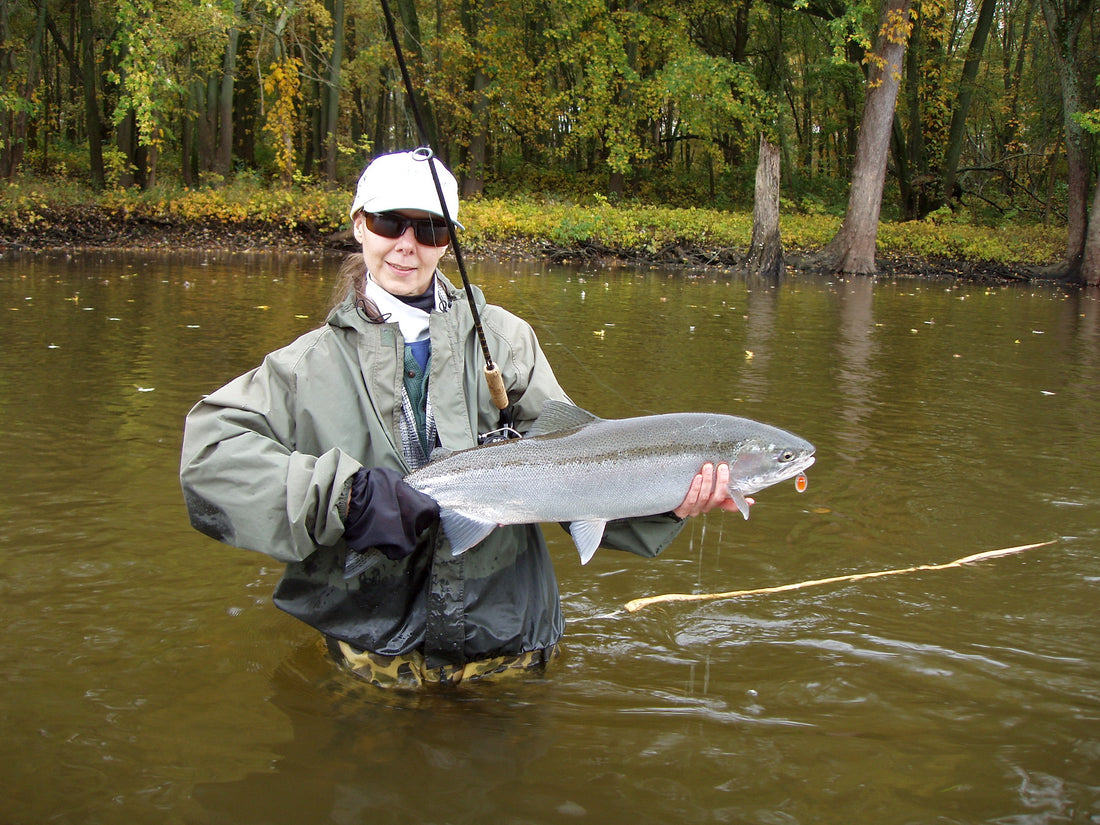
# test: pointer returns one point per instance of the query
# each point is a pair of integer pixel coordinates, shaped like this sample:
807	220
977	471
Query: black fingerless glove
385	513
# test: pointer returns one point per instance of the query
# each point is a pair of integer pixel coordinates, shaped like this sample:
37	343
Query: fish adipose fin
557	416
739	499
464	532
587	535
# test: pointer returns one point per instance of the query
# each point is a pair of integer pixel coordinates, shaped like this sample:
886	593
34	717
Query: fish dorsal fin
557	416
439	453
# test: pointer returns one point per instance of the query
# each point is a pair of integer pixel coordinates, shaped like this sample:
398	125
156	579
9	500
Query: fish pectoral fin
739	499
464	532
587	535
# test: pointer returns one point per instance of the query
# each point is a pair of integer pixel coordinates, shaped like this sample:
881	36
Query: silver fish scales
575	467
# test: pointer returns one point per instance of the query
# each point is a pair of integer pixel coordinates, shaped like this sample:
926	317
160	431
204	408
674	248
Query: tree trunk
223	158
414	45
966	94
1012	77
92	120
207	92
1090	261
765	256
126	141
853	249
14	141
1064	19
332	89
473	16
473	184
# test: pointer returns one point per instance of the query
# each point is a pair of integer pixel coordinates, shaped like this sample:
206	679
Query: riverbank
598	234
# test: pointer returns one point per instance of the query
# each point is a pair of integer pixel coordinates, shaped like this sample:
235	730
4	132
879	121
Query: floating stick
635	605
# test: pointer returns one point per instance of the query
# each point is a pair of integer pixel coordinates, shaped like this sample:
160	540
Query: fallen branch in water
635	605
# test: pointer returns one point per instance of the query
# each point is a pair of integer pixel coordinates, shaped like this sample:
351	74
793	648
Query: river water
148	678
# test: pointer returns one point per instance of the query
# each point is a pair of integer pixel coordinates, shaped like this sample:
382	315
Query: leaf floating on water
262	306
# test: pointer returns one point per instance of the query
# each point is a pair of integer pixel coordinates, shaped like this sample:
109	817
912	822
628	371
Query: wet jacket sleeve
244	482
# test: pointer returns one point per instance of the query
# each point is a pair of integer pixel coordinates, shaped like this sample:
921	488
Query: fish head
762	462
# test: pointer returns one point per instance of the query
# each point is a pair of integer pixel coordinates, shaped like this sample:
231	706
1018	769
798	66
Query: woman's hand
709	489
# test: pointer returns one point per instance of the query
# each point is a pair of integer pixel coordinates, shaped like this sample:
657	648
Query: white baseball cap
402	180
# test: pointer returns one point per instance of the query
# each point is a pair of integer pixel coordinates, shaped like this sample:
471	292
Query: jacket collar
346	315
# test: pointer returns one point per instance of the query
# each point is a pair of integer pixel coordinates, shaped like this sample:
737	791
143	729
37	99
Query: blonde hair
352	278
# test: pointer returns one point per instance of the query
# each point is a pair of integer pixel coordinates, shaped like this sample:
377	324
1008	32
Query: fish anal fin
587	535
464	532
557	416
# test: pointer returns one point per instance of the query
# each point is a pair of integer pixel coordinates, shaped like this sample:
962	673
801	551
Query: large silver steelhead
574	467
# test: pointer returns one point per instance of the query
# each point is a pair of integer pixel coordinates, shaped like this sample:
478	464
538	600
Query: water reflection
149	676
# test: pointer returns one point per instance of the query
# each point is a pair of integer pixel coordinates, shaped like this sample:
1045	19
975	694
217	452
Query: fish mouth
781	473
797	466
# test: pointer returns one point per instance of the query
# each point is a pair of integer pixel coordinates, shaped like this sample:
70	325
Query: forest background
960	129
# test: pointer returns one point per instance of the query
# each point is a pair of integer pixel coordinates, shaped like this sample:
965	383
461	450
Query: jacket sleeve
243	481
645	536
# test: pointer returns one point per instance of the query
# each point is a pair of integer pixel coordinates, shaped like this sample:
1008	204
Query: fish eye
786	455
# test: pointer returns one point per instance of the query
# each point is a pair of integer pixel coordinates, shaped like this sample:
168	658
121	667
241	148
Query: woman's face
401	265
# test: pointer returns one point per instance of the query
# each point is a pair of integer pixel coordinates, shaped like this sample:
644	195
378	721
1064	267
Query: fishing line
492	372
637	604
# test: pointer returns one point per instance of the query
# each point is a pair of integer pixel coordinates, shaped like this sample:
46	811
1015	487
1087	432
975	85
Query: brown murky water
148	679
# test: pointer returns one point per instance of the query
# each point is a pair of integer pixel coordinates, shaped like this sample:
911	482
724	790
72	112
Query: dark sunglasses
428	231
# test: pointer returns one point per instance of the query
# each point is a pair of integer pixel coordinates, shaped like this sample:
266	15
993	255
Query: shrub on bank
315	212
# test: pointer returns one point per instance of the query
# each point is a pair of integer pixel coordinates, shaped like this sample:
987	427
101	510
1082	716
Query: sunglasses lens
393	225
430	233
386	224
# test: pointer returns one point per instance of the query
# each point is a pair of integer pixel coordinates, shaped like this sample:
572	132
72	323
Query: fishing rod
492	372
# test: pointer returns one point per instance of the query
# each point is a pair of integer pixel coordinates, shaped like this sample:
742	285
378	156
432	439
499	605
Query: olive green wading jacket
268	460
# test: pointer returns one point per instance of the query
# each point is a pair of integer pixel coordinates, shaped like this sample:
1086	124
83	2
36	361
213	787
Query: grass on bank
29	206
